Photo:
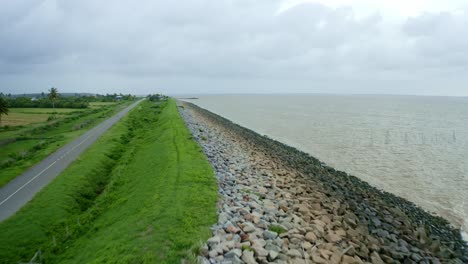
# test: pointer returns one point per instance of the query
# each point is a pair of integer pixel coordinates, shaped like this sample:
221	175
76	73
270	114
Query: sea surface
413	146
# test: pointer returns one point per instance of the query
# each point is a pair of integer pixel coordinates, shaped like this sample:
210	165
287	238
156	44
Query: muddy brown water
413	146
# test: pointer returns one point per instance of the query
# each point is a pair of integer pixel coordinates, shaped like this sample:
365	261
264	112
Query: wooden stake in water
387	137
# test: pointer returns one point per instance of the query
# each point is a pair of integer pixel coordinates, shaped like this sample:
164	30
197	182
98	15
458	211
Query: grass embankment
144	192
24	146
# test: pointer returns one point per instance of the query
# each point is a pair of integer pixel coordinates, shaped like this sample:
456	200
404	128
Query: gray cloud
227	46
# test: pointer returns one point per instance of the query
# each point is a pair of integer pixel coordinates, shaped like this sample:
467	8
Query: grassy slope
160	200
57	136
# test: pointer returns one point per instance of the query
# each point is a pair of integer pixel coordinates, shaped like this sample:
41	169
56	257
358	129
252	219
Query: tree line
156	97
54	100
64	102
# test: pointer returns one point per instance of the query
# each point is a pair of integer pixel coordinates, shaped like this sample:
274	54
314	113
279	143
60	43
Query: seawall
393	227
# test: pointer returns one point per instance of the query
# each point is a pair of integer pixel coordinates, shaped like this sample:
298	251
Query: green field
143	193
19	119
26	116
99	104
25	145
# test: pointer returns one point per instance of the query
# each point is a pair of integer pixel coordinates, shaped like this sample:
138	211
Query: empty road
23	188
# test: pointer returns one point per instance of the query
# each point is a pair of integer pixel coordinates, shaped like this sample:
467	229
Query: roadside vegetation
3	109
28	135
143	193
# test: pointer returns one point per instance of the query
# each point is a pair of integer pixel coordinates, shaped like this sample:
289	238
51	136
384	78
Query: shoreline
392	227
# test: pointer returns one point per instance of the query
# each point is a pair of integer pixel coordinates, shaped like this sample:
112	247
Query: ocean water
413	146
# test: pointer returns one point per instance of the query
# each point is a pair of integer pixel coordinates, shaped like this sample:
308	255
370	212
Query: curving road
23	188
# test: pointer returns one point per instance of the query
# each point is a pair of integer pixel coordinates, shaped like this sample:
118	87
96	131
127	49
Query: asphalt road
23	188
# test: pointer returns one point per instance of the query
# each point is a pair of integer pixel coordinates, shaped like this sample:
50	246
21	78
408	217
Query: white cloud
390	8
228	46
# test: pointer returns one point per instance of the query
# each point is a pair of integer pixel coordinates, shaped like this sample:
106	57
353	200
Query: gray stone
270	246
269	205
294	253
204	250
248	257
311	237
203	260
259	242
267	234
260	251
348	260
248	227
233	252
297	261
236	238
272	255
282	256
332	237
232	260
283	205
213	254
262	190
317	259
416	257
306	245
376	221
223	218
213	241
375	258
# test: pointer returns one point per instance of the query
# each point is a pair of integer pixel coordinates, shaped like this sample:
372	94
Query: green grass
246	247
277	229
144	193
35	142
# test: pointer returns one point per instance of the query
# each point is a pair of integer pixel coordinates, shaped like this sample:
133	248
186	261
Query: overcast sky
228	46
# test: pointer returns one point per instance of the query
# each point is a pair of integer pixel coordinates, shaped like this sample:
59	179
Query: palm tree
53	96
3	108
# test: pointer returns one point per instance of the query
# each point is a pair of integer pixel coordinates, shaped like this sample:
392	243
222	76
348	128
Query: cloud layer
228	46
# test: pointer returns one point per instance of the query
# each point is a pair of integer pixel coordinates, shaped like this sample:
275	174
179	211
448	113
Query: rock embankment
280	205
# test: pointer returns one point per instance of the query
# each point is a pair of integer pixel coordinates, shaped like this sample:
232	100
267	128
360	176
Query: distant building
34	99
118	97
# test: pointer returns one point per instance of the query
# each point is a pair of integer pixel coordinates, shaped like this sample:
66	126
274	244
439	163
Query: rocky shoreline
280	205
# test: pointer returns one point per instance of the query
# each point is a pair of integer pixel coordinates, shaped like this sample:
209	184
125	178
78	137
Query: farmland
27	116
28	135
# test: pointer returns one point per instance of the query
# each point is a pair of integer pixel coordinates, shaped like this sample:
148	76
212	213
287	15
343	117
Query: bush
7	162
51	117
